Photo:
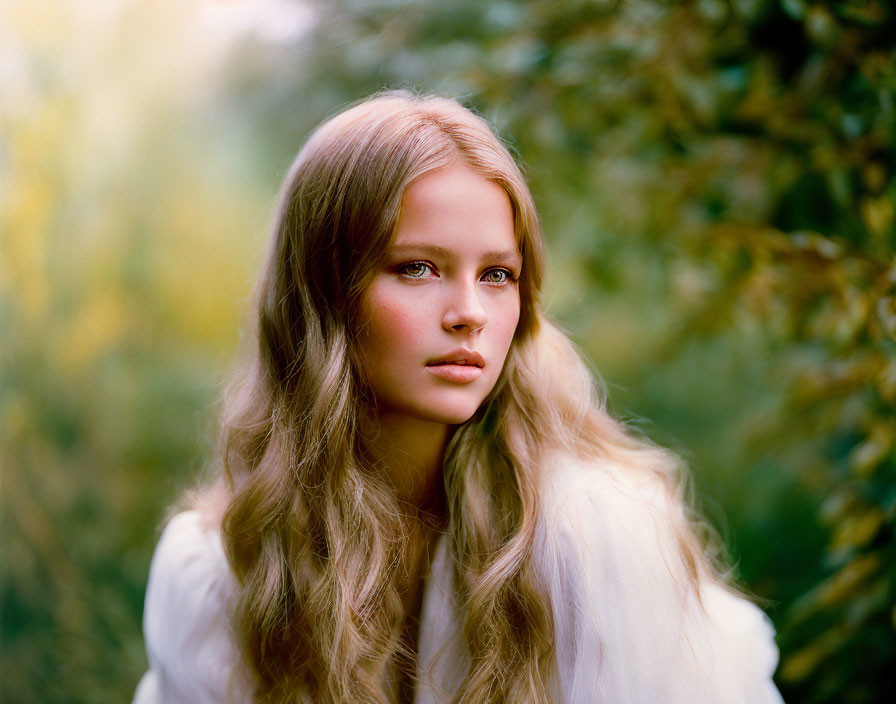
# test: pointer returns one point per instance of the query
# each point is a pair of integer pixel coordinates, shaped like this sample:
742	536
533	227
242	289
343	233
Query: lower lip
458	373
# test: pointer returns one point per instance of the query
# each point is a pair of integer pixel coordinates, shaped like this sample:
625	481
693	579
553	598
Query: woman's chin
442	413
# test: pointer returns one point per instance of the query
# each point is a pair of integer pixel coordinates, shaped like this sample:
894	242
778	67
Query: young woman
423	497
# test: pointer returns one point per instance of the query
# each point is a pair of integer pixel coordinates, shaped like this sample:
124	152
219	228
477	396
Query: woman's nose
464	310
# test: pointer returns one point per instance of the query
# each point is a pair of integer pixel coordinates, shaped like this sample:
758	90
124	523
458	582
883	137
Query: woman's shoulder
575	487
600	508
187	618
624	595
190	581
189	561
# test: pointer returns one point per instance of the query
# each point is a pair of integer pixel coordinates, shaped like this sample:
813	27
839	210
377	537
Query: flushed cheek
392	327
395	324
506	319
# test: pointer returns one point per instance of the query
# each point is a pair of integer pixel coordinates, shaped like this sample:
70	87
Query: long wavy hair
312	533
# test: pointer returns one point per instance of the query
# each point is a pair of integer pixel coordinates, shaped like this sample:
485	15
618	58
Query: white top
629	627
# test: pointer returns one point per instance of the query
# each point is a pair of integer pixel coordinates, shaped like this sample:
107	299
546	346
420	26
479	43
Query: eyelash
508	274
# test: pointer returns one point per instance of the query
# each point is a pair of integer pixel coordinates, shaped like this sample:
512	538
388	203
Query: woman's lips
460	366
457	373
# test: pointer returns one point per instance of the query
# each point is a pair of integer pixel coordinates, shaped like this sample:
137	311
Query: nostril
464	317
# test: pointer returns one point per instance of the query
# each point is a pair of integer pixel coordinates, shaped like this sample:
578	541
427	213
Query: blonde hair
312	534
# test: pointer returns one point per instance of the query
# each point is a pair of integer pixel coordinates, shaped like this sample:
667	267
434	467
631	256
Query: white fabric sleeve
186	620
629	625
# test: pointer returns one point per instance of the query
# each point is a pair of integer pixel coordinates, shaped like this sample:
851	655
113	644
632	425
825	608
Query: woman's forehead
455	204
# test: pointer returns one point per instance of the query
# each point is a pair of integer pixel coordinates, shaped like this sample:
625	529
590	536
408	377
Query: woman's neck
410	451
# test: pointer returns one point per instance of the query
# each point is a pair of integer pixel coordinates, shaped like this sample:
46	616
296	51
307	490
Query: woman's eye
415	270
496	276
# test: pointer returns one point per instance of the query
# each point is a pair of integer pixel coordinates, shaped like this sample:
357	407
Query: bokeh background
716	180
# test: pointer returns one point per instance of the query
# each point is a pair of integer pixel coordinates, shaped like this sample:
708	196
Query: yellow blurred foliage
878	214
96	326
839	587
24	246
804	662
856	531
875	448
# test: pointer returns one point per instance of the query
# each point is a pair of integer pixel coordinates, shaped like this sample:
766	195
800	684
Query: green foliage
716	180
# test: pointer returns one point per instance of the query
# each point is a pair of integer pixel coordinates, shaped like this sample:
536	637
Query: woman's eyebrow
508	256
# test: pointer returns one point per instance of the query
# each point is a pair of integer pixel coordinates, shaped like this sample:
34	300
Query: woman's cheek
403	314
397	318
507	313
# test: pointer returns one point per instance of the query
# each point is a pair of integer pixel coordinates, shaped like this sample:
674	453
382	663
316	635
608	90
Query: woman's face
440	314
